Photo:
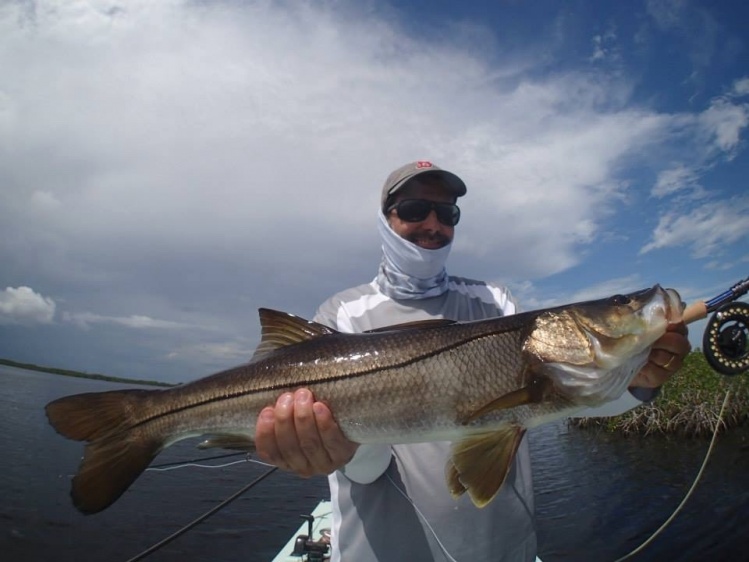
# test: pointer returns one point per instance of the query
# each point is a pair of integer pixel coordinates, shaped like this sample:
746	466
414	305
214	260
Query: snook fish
478	384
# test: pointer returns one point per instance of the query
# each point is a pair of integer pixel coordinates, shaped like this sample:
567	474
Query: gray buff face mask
408	271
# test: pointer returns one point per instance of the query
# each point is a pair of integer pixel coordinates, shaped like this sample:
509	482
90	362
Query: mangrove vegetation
688	405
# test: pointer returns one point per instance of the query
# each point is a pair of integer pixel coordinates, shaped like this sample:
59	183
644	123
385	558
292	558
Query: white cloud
137	322
724	121
231	352
217	128
607	288
741	87
673	180
707	230
22	305
605	47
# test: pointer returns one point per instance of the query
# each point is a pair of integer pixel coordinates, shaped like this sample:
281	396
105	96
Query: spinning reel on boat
305	546
726	339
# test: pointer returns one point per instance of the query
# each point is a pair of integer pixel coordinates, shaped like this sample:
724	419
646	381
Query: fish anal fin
280	329
532	393
481	462
228	441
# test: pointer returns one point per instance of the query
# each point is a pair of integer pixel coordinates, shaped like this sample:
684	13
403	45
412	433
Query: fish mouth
673	306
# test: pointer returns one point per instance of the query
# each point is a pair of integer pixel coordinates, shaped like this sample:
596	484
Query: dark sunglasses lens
447	214
416	210
413	210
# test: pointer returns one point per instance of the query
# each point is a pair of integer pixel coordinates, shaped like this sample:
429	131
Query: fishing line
423	518
203	459
668	521
203	517
195	465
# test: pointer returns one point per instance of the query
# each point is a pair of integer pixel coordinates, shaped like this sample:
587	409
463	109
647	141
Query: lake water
597	496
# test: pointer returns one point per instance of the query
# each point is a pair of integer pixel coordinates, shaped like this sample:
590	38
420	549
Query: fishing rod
726	338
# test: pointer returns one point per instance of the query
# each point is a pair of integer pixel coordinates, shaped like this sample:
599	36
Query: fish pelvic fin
118	450
481	462
279	329
228	441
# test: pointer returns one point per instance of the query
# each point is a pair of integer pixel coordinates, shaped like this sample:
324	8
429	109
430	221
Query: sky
167	168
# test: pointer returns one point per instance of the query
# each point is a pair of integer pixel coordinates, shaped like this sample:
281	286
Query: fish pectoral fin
228	441
280	329
480	463
532	393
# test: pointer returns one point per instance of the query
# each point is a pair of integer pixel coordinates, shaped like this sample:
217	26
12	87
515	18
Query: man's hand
666	357
301	436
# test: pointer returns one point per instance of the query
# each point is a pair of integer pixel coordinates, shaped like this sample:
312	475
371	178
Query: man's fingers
286	435
301	435
665	358
265	438
310	444
338	448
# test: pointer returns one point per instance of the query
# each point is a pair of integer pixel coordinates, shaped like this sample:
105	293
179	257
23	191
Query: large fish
478	384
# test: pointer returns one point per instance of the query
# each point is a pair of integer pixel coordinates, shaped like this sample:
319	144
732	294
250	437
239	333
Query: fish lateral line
288	386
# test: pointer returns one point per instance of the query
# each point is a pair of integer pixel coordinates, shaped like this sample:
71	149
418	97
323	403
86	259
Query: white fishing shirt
391	502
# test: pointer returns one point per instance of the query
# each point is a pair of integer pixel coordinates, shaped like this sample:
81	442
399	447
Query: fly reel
726	339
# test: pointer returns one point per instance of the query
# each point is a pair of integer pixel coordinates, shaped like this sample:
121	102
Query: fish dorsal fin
415	325
533	393
480	463
280	329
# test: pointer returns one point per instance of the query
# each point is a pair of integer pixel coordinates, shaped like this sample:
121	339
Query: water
597	496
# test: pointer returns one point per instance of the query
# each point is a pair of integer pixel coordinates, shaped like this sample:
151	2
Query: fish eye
620	300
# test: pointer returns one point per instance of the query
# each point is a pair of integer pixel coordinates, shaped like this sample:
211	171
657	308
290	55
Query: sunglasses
417	210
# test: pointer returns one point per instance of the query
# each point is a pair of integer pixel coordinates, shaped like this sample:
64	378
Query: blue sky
168	168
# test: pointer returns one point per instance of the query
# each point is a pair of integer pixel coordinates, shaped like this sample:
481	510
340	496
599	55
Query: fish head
592	350
624	325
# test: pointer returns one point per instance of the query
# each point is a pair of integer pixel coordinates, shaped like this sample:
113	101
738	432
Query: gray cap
399	177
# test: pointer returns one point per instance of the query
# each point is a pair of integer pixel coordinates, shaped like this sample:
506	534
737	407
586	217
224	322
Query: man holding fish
390	501
413	392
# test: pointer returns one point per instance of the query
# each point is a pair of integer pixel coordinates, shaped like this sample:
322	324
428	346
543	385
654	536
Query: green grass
688	405
69	373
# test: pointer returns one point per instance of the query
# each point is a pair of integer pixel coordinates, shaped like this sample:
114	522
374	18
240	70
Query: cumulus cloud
22	305
218	127
707	230
137	322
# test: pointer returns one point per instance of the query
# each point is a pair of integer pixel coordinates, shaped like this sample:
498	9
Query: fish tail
118	447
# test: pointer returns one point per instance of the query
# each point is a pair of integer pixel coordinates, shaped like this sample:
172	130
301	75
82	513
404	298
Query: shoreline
688	405
80	374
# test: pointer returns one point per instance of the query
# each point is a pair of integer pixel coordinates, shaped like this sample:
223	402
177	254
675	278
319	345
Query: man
390	502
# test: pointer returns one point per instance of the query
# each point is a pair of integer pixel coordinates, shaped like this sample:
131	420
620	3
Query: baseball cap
399	177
